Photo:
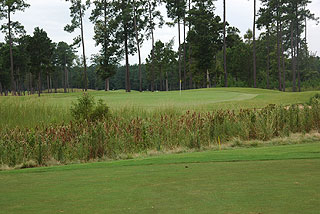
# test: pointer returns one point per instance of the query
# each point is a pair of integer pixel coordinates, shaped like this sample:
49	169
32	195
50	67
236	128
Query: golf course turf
280	179
264	180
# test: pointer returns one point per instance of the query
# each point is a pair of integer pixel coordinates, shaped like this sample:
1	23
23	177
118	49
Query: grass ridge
298	152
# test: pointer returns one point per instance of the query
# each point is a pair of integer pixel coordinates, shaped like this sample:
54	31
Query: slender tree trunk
305	30
0	89
48	84
51	84
107	80
138	45
208	79
28	83
282	58
83	53
180	77
299	78
306	45
39	83
278	53
268	57
128	87
254	47
65	75
31	84
107	84
18	87
224	46
167	82
152	55
184	54
190	52
297	44
293	61
13	84
68	85
160	77
215	80
70	81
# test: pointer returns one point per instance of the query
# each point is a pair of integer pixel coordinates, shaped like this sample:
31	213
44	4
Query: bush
87	109
315	98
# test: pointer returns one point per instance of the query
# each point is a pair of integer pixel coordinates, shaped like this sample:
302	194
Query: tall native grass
15	112
124	133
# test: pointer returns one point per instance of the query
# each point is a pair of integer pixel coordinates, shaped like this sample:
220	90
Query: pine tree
176	10
151	17
77	12
41	50
110	53
7	8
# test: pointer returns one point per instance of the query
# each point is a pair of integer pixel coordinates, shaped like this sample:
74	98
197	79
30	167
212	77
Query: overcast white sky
53	15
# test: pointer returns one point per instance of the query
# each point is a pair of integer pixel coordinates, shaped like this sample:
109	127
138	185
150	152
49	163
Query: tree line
210	52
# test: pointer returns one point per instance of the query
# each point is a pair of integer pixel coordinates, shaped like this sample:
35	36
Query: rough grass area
30	111
271	180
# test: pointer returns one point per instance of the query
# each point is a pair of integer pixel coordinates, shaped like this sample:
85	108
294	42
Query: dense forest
211	53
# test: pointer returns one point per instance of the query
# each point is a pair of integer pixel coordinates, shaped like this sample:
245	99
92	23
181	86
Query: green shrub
315	98
87	109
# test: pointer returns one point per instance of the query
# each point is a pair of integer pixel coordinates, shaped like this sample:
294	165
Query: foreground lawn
282	179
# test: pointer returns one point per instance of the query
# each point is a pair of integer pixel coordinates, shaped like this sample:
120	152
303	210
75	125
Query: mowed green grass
29	111
207	99
282	179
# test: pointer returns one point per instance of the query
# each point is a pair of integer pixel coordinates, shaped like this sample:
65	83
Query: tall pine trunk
138	45
31	84
268	57
107	84
190	51
297	46
299	78
128	87
293	61
13	83
48	84
167	82
224	46
18	87
184	54
152	49
282	58
83	53
65	75
179	33
107	80
254	47
39	84
278	53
